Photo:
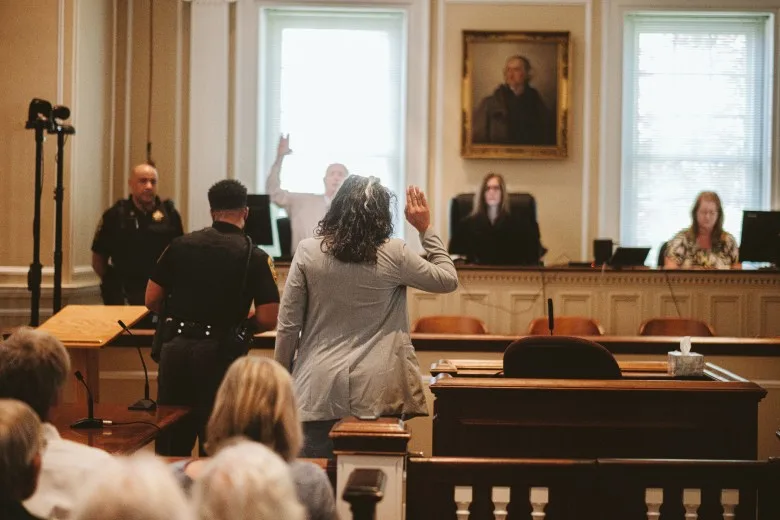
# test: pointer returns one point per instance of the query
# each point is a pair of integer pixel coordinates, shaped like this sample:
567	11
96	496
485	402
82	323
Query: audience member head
132	488
227	199
707	215
256	401
334	178
517	71
359	220
143	185
33	368
21	444
246	480
492	196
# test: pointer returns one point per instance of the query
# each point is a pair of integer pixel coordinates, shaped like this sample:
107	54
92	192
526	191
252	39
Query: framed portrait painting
515	95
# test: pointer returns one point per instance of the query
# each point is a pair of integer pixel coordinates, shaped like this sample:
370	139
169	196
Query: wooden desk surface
119	438
715	346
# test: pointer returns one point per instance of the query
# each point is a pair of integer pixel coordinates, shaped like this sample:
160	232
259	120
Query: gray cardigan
343	329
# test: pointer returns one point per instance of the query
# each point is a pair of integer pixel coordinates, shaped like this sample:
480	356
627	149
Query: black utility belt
193	330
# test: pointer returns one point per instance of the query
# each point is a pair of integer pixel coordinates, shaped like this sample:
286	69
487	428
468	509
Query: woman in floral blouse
704	244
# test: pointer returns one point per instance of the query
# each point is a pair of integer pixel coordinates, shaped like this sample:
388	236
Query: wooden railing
603	489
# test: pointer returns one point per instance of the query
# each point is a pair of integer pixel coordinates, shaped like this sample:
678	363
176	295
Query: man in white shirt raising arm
305	210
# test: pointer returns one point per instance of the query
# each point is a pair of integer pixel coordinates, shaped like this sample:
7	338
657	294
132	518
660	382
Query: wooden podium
84	330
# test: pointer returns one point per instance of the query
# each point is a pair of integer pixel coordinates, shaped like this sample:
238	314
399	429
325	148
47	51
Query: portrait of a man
515	97
514	113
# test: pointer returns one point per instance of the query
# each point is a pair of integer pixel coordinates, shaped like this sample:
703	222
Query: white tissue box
691	364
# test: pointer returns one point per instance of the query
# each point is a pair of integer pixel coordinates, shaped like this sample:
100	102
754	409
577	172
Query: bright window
696	116
335	80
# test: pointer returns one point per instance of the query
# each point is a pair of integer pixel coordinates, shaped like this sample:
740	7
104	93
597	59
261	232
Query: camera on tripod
42	114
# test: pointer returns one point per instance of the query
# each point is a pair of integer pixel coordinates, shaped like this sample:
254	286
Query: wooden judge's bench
646	414
736	303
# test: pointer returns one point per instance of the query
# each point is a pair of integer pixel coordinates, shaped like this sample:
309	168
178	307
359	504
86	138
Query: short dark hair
227	194
359	220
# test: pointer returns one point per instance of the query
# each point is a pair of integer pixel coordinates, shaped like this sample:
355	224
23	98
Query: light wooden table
84	330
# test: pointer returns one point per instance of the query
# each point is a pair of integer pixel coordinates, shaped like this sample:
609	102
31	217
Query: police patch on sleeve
272	268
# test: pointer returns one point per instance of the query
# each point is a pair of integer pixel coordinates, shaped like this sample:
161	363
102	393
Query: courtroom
535	275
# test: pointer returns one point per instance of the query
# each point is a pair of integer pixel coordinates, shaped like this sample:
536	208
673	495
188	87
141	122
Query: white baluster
538	502
654	497
500	501
729	498
691	502
463	501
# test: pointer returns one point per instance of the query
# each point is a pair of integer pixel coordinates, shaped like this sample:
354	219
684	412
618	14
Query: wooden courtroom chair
675	327
566	326
559	357
450	325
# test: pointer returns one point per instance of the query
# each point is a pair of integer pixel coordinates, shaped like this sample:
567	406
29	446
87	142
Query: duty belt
192	329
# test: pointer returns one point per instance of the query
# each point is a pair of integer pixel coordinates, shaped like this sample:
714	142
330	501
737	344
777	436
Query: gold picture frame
515	95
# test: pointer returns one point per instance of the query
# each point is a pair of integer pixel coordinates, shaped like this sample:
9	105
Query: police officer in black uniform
133	233
208	280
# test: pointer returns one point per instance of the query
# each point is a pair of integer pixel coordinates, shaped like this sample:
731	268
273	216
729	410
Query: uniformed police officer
209	279
133	233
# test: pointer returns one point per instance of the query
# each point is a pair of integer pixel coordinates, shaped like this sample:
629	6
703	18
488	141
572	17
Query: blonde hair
140	487
21	440
33	368
246	480
256	400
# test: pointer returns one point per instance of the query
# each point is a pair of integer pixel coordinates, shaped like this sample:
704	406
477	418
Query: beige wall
28	55
92	56
556	184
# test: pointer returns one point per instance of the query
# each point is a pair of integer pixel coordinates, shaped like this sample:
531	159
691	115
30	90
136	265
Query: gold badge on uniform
158	216
272	268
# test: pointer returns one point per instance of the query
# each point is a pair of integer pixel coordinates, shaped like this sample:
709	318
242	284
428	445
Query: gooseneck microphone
550	316
90	421
145	403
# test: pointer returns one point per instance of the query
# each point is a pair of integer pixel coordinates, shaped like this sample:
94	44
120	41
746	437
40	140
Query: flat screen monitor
760	237
258	223
629	257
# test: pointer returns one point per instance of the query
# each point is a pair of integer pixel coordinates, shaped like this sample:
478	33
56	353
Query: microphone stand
90	421
34	274
61	131
146	403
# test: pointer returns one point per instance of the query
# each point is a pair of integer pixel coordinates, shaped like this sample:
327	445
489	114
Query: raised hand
284	147
417	212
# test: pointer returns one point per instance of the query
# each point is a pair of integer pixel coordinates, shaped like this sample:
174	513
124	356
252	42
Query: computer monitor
258	223
629	257
760	237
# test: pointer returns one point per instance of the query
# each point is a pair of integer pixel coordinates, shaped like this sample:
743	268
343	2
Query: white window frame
611	109
248	148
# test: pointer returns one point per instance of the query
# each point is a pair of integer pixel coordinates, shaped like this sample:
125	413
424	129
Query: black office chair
559	357
520	204
662	254
284	230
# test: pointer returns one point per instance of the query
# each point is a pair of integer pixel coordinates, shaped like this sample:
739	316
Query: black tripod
41	118
59	190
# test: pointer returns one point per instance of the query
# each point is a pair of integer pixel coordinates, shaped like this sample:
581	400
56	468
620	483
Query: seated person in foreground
133	488
256	401
21	445
704	244
33	368
491	234
247	480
